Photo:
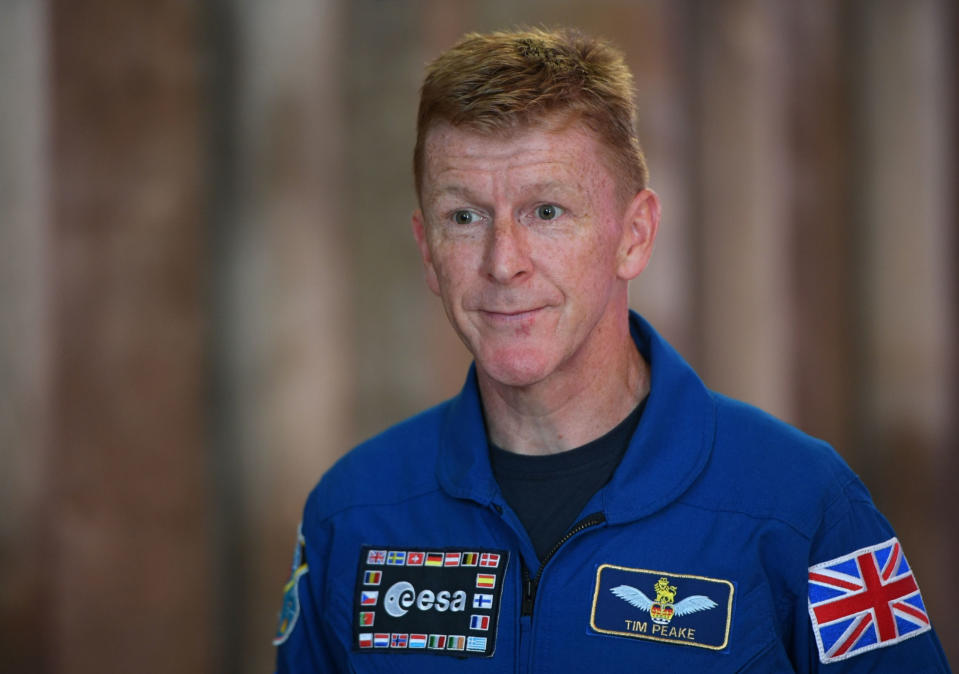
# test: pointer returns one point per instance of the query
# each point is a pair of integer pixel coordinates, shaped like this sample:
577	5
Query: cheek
453	265
592	268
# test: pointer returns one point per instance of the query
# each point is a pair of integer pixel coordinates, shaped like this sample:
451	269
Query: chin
517	369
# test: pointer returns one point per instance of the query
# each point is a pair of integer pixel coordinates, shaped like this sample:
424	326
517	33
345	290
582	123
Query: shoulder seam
377	504
754	516
842	493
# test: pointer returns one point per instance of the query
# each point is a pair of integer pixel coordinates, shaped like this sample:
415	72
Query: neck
576	404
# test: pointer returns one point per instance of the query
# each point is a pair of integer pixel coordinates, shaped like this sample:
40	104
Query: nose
507	251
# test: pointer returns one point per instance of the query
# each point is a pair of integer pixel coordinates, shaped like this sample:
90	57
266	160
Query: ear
419	233
640	224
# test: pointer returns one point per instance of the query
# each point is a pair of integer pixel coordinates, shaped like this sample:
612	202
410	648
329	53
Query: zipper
530	584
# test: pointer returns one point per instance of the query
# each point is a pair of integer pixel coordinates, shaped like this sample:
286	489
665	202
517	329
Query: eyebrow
547	186
466	193
453	190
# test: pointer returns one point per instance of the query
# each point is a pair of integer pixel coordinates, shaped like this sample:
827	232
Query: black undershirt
549	492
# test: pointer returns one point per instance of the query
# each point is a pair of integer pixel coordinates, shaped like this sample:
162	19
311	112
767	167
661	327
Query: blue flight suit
695	557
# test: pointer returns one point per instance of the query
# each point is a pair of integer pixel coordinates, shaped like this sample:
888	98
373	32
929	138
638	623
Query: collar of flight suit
667	452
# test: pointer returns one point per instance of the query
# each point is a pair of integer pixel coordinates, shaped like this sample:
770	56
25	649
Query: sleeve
303	639
862	610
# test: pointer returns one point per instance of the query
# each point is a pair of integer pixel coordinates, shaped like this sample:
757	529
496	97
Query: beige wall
209	292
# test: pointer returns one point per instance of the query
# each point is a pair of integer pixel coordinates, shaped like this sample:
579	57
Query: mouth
510	316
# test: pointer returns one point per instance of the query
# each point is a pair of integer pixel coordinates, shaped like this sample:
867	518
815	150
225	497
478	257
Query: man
585	503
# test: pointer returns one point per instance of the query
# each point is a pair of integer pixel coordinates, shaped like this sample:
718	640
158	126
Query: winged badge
663	608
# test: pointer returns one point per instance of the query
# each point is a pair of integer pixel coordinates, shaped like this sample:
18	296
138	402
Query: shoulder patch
675	608
428	600
291	596
864	600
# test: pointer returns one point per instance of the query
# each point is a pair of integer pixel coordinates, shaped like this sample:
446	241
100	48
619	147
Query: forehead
568	153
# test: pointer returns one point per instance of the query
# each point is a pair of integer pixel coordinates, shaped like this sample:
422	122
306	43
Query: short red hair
501	81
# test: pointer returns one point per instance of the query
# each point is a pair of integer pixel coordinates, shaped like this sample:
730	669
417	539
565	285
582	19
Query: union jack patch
864	600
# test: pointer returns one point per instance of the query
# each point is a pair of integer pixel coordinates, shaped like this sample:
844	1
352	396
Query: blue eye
464	217
548	211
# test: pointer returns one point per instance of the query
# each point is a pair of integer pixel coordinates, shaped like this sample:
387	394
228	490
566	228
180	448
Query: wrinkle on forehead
529	159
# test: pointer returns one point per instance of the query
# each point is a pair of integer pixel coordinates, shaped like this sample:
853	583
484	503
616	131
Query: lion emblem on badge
665	606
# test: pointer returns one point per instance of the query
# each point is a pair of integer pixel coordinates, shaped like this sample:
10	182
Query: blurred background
209	291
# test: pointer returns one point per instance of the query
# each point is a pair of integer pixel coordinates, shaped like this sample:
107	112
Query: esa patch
428	601
291	596
864	600
674	608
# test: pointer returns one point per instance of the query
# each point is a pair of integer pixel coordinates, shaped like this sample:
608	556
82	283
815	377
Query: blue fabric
709	488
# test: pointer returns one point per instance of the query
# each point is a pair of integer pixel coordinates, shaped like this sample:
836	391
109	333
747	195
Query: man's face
529	245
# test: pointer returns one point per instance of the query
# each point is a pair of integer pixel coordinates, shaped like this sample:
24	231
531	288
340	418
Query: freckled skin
530	248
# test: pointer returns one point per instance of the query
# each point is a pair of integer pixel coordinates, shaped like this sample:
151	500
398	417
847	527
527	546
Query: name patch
439	601
671	607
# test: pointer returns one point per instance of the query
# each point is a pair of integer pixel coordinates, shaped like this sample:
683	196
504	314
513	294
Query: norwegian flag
864	600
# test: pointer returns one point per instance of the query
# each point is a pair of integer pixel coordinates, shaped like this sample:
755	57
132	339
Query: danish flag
864	600
489	559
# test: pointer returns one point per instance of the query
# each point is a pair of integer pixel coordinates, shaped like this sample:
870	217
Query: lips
510	316
510	312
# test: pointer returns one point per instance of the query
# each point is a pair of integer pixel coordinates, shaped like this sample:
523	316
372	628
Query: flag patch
489	559
482	600
479	622
428	601
476	643
864	600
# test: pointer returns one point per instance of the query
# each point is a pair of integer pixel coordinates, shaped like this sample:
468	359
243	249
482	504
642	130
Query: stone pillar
907	296
821	241
744	220
129	575
25	340
282	345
